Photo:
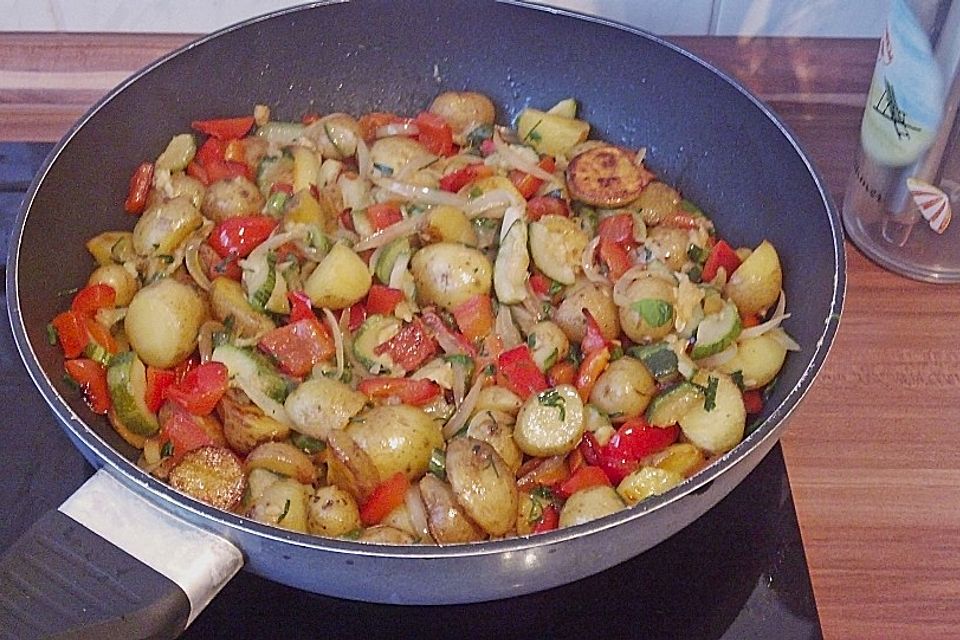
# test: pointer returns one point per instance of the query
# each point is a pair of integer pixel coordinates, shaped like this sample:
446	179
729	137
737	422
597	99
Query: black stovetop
739	572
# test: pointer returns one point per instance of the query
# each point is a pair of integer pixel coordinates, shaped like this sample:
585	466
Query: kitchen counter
869	451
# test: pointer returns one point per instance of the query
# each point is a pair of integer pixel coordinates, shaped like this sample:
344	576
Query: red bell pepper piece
235	151
590	369
383	300
370	122
212	150
519	372
281	187
474	316
411	347
456	180
722	255
92	379
543	472
226	170
301	307
590	448
635	439
71	332
196	170
383	215
240	235
356	314
158	380
438	328
616	257
100	334
185	366
681	220
408	391
184	433
540	285
224	128
388	495
549	520
563	372
201	389
435	134
546	206
94	297
298	346
615	466
583	478
617	229
140	183
593	339
528	184
753	401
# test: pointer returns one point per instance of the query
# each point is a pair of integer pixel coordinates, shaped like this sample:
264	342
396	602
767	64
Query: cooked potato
657	201
245	426
231	197
257	482
112	247
332	512
594	298
350	467
669	244
483	484
624	389
646	482
496	430
183	185
721	428
161	228
322	404
385	534
758	359
497	398
340	280
163	321
227	300
448	224
178	154
119	279
659	295
447	274
446	519
556	245
283	504
463	110
681	458
335	135
397	438
282	458
306	169
590	504
394	153
550	423
211	474
756	283
606	176
551	133
549	344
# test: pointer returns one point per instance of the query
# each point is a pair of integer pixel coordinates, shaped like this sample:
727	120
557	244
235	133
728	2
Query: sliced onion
406	128
784	339
191	258
589	264
417	513
420	195
337	340
364	162
398	271
515	159
402	229
205	338
268	405
717	359
640	157
459	383
506	329
526	316
492	199
462	414
271	243
623	283
774	321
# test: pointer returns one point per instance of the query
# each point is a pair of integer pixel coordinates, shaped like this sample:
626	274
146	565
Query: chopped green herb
167	449
384	169
710	393
552	398
475	192
165	258
70	382
97	352
737	377
689	207
551	360
695	273
63	293
655	312
696	253
275	204
616	352
438	463
307	444
533	134
286	510
768	390
478	134
532	341
52	334
555	288
575	355
353	534
490	370
546	309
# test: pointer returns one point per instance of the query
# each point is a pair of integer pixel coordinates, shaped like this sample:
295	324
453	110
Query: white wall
854	18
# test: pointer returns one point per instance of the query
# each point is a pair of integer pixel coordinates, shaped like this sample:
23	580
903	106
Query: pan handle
110	564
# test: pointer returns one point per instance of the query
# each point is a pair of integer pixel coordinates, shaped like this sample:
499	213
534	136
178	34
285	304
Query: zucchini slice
253	366
673	403
717	331
374	331
127	385
659	358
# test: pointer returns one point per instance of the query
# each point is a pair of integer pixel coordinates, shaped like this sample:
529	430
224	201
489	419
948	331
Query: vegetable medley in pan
428	329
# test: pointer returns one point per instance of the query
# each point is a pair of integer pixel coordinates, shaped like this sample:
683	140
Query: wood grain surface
870	452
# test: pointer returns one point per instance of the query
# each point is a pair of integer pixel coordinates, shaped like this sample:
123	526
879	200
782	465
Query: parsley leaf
655	312
710	393
552	398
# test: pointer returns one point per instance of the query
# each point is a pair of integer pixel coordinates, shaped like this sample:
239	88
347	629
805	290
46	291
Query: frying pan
168	554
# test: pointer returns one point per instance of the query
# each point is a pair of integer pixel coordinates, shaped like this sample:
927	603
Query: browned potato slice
483	484
211	474
282	458
445	517
463	110
332	512
606	176
231	197
350	467
385	534
245	426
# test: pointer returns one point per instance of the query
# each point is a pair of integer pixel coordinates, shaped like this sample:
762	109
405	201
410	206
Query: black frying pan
702	131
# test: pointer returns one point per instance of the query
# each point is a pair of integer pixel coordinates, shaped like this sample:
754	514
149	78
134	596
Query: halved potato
756	283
